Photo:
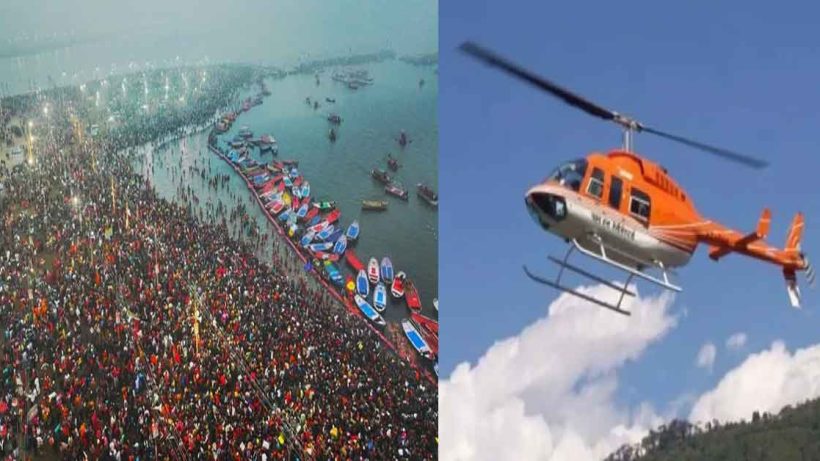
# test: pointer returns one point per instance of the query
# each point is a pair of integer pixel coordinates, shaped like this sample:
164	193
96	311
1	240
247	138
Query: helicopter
626	211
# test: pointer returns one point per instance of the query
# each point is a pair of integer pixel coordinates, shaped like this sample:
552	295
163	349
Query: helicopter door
615	190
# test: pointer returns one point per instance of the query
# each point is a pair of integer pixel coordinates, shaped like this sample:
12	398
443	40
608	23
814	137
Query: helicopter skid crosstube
623	290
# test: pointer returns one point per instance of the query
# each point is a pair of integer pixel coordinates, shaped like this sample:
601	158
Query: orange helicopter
626	211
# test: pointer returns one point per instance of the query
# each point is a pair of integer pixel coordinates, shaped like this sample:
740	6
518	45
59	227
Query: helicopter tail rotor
630	125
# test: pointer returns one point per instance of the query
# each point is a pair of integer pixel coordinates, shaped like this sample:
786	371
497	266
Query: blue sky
743	76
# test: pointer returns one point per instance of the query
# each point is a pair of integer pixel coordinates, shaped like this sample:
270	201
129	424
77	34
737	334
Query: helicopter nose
546	208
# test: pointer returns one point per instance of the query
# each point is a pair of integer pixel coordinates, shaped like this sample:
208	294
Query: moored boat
427	194
425	322
415	338
380	297
311	213
411	295
374	205
387	270
302	212
307	238
325	205
397	191
334	274
333	216
352	231
320	246
368	310
397	288
380	176
340	246
353	261
373	270
362	285
325	233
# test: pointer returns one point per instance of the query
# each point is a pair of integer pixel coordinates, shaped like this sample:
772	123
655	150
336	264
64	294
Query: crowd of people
132	329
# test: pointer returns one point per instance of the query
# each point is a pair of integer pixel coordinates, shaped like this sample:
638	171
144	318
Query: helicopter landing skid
623	290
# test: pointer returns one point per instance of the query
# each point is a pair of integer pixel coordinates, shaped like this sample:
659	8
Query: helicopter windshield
570	174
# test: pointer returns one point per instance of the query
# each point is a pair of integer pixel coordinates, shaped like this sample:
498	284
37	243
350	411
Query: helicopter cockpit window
570	174
595	187
639	205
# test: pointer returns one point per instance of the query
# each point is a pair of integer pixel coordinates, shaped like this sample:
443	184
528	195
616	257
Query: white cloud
736	341
765	382
548	393
706	356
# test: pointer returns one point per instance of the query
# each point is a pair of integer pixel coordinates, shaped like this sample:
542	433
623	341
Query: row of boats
424	191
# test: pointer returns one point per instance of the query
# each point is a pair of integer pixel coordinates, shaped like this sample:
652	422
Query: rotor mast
630	127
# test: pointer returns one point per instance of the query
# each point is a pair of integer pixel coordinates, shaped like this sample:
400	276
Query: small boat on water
425	322
331	100
427	194
411	296
336	235
396	190
362	286
320	246
288	182
353	261
392	163
334	119
311	213
302	212
306	189
368	311
294	173
324	256
314	221
387	270
352	231
380	297
245	132
277	206
332	135
325	233
307	238
326	205
374	205
397	288
333	216
285	215
373	270
334	274
402	139
340	246
380	176
415	339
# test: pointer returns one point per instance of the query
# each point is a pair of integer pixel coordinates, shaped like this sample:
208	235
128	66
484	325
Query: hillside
793	434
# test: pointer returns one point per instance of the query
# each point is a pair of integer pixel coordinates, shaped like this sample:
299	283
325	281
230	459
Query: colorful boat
368	311
427	194
425	322
411	296
380	297
306	189
285	215
362	286
318	227
340	246
307	238
277	206
380	176
336	235
288	182
326	205
320	246
327	257
397	289
373	270
387	270
335	275
333	216
294	173
311	213
302	211
352	231
245	132
415	338
353	260
325	233
314	221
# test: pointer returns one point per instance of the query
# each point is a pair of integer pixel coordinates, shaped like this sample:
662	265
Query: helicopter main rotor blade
567	96
719	151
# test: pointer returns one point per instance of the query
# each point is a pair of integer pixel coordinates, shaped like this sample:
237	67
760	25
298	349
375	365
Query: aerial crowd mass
133	328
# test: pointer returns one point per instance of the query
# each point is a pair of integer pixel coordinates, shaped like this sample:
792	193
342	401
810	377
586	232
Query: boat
320	246
281	186
332	135
294	173
396	190
334	119
325	233
336	235
353	261
397	288
324	206
427	194
335	275
245	132
307	238
393	164
294	204
306	189
352	231
387	270
302	211
373	270
374	205
277	206
333	216
288	182
368	310
411	296
380	176
330	100
312	212
402	139
435	303
425	322
285	215
324	256
340	246
380	297
415	339
314	221
362	286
